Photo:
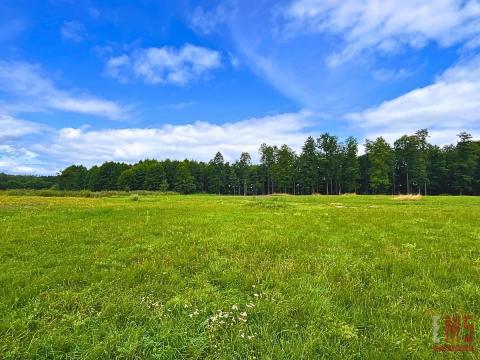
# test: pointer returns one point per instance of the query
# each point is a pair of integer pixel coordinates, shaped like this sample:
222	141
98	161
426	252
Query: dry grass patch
410	197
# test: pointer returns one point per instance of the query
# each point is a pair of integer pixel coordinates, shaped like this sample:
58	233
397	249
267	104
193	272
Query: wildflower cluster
152	304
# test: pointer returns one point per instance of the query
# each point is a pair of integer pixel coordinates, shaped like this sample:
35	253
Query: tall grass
79	193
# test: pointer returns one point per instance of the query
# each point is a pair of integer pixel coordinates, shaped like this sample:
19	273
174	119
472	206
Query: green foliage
217	183
308	167
437	170
380	160
330	161
184	181
107	175
350	170
410	157
327	165
267	161
93	178
243	173
155	178
283	170
73	178
26	182
464	167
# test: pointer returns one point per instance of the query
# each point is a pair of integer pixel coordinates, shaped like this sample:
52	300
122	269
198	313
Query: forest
325	165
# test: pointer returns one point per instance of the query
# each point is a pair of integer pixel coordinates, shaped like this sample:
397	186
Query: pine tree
217	174
350	168
308	167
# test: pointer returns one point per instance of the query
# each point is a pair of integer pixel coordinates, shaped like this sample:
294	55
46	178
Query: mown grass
211	277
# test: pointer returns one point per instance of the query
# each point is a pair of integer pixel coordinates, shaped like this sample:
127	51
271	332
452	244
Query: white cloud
55	149
20	160
15	157
234	60
200	140
386	26
205	22
164	65
391	74
12	128
116	65
450	105
31	91
73	31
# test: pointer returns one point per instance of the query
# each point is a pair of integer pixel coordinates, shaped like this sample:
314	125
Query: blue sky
90	81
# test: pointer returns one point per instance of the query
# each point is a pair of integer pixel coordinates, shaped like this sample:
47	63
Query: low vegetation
212	277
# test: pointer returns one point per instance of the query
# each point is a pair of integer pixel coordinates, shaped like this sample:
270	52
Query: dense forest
325	165
27	182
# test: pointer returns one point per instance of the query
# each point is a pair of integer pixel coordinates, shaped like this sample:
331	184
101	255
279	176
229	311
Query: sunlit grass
232	277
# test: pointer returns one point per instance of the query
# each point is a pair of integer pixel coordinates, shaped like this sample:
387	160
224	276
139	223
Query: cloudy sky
87	81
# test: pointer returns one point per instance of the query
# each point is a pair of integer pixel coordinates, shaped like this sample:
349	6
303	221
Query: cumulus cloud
15	156
164	65
12	128
30	90
20	160
386	26
200	140
449	105
73	31
56	149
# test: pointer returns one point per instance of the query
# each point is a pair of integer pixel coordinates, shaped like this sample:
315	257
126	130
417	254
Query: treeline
27	182
325	165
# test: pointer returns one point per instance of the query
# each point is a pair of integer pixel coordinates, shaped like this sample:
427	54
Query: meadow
223	277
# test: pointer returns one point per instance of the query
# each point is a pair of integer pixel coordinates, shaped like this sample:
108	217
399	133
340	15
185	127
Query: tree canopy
326	165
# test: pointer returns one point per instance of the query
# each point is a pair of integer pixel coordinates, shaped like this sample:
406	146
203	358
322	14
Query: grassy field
213	277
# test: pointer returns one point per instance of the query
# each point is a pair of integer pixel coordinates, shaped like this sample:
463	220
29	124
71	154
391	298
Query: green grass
210	277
